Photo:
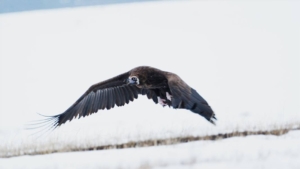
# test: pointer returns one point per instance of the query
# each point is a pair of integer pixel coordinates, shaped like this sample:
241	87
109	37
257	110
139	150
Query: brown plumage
162	87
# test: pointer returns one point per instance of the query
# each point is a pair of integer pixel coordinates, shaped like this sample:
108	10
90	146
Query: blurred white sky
242	57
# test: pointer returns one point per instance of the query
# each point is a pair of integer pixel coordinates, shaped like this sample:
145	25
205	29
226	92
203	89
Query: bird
165	88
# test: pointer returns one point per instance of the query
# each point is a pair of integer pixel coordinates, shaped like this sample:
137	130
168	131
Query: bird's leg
163	102
169	97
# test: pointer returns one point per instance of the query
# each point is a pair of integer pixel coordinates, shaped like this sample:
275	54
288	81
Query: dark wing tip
203	107
46	125
213	119
48	121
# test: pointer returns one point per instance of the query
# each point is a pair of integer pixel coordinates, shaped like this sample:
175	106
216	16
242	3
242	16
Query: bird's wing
183	96
102	95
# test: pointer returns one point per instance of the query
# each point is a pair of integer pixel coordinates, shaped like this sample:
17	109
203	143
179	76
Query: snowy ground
242	57
239	152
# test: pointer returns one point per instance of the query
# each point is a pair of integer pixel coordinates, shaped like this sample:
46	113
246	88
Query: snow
238	152
242	57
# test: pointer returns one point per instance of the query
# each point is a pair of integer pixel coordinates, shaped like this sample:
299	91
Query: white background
242	57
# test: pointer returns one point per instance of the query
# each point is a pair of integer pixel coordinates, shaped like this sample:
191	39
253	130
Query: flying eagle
162	87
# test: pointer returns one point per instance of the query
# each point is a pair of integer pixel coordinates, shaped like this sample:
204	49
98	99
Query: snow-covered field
242	57
240	152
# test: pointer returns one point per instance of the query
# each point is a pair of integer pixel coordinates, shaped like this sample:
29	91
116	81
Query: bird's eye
134	78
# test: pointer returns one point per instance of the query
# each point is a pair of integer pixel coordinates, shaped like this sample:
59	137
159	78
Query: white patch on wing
161	101
169	97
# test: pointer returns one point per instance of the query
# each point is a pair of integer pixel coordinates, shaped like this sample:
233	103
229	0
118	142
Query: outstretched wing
102	95
183	96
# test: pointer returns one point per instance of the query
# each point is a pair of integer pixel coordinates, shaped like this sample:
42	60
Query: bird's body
162	87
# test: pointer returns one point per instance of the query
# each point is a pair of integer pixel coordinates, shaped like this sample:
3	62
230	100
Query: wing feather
133	91
125	94
84	110
91	103
118	96
100	96
150	95
122	98
96	102
108	99
130	94
103	99
186	97
112	98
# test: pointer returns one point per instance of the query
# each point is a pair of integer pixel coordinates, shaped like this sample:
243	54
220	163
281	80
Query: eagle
163	87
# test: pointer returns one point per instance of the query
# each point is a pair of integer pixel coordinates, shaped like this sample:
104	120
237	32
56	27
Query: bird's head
133	80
